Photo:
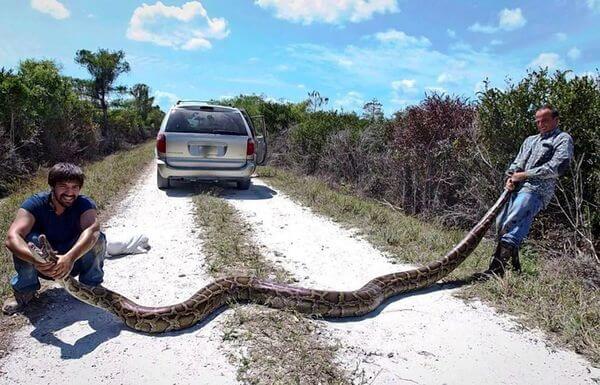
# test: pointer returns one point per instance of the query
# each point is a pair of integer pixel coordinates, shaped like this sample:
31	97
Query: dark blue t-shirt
62	230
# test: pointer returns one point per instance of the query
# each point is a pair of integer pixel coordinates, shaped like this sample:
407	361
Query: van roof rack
194	101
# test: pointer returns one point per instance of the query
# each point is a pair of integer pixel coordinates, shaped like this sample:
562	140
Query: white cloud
187	27
594	5
406	85
351	101
560	36
446	77
451	33
379	63
460	46
511	19
574	53
403	92
171	98
345	62
398	37
271	99
550	60
483	28
196	43
508	20
496	42
328	11
53	8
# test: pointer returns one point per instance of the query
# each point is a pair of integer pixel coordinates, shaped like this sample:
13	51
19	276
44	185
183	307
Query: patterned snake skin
326	303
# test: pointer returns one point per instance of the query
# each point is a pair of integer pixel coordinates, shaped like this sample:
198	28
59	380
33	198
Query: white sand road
425	338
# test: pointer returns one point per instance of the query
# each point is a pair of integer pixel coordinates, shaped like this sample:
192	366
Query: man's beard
64	200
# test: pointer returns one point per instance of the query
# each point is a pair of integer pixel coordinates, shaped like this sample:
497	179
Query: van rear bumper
209	174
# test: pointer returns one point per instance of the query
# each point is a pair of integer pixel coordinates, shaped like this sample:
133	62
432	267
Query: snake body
326	303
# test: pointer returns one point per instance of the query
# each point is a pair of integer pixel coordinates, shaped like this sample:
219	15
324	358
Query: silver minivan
198	141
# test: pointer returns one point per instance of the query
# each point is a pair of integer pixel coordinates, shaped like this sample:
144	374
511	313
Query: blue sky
349	50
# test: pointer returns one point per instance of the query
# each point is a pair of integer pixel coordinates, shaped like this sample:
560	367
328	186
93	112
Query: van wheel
243	184
162	183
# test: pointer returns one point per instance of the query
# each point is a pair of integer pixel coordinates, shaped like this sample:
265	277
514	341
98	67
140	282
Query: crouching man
70	223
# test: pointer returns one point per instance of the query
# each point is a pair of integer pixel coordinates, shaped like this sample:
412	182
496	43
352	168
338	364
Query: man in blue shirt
532	178
70	223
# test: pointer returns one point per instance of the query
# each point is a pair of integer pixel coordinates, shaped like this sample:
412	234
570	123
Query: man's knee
90	267
26	280
99	248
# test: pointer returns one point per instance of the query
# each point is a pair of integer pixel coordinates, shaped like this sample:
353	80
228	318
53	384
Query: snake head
44	253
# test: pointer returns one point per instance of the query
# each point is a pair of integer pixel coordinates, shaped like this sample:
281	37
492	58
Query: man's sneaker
16	303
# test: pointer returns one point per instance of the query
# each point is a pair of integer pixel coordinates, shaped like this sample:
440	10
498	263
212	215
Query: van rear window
206	121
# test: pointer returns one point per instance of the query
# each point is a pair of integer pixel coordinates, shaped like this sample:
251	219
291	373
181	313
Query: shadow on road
55	310
223	189
399	297
255	192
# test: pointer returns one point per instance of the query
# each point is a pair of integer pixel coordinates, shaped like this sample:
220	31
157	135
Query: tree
12	95
316	101
105	67
373	111
142	100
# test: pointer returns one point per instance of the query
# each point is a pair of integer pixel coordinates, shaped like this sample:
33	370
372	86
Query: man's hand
511	182
63	267
518	176
510	185
45	268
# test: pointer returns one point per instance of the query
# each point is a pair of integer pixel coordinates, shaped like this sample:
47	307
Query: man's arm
519	163
15	240
87	240
515	170
563	153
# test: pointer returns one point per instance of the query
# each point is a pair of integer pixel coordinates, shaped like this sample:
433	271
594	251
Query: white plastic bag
126	242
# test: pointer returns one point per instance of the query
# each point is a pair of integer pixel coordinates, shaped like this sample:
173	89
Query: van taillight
250	147
161	144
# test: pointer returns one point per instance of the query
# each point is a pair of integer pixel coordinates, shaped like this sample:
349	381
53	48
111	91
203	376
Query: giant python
326	303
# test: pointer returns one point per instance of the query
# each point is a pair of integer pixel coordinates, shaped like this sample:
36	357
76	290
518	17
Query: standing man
70	223
532	178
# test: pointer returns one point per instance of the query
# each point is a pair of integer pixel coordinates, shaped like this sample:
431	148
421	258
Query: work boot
17	302
502	254
514	260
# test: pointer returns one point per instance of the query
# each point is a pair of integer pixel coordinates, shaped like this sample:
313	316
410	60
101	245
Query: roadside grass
270	346
547	295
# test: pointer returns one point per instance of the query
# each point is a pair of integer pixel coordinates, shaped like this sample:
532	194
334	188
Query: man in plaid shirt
532	178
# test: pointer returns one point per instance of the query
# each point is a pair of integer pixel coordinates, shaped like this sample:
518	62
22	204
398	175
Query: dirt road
426	338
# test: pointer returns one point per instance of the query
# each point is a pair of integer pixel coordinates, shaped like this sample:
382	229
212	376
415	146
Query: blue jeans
515	221
88	267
